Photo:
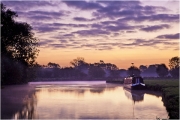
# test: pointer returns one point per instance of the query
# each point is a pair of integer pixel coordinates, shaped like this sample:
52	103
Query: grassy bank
170	89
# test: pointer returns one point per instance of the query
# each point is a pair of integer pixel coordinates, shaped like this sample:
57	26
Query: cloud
89	45
115	26
165	17
43	29
120	27
51	27
117	9
130	31
83	5
108	19
57	46
82	19
46	13
156	17
69	25
147	43
169	36
45	42
155	28
91	32
42	16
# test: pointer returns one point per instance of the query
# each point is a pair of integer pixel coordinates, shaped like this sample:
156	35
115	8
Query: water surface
92	100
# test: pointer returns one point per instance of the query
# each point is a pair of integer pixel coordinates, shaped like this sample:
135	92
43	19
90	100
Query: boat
134	83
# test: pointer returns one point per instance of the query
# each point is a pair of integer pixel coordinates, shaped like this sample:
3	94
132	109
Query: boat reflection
134	95
138	95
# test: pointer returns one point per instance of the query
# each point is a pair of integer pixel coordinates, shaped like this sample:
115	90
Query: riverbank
13	98
170	94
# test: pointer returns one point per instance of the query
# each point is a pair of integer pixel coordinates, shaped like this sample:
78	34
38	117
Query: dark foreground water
90	100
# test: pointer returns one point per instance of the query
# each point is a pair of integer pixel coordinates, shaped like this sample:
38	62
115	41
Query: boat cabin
134	82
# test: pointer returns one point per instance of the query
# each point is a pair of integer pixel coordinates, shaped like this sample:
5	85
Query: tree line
101	70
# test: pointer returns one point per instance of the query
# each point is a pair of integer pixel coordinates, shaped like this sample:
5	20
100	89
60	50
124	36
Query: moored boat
135	83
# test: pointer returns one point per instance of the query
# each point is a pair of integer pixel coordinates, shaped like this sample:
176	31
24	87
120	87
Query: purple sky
101	26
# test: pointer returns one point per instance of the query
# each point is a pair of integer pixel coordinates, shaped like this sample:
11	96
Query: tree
133	70
96	72
174	62
79	63
150	71
18	43
142	68
55	69
162	70
53	65
174	66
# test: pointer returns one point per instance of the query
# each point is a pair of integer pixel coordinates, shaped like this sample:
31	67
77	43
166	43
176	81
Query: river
86	100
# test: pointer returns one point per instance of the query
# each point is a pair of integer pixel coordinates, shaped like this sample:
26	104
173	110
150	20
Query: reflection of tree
29	109
72	90
97	90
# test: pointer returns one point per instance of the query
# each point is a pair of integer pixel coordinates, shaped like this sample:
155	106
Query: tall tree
174	64
18	43
79	63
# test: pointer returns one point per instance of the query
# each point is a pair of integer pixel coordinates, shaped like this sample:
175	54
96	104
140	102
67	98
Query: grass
170	89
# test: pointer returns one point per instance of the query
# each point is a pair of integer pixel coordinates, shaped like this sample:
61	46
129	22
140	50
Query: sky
119	32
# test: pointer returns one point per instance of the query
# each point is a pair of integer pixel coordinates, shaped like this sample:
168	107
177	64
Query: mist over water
94	100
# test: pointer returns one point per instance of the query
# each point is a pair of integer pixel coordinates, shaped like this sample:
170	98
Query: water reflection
87	101
138	95
135	96
29	109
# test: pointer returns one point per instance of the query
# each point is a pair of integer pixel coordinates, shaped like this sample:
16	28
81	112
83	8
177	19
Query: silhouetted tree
77	62
142	68
111	66
162	70
18	45
174	66
35	71
133	70
96	72
17	38
53	65
150	71
55	69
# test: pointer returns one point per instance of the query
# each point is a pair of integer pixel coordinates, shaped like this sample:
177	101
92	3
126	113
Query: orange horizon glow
121	60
